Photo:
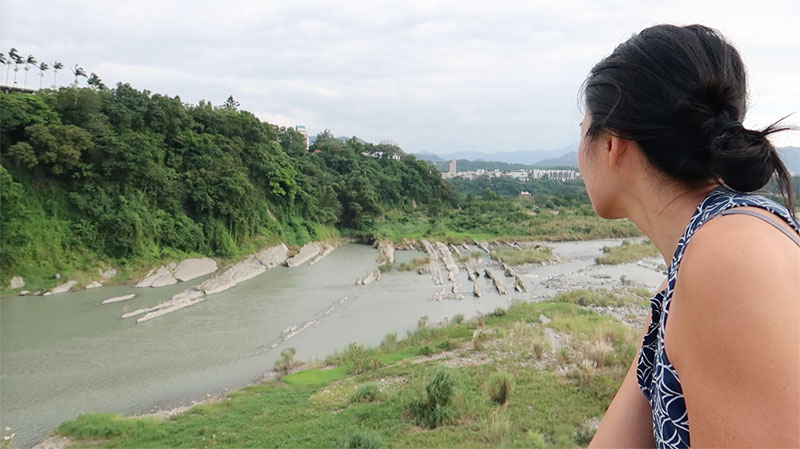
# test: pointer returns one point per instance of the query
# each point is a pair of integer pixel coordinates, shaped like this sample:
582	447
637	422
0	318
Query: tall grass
521	256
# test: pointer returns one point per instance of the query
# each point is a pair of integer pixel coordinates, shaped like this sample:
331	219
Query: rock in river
193	268
306	253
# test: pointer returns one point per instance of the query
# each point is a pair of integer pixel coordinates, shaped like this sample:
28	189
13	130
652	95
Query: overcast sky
429	75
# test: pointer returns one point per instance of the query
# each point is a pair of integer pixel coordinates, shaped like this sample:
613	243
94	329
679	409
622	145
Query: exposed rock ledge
239	272
306	253
173	273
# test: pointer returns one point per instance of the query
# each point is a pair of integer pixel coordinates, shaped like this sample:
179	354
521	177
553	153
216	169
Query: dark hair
681	94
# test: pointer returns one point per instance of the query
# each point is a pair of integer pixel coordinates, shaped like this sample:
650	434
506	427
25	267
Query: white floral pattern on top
656	375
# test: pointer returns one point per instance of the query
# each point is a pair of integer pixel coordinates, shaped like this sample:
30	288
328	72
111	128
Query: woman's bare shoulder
733	333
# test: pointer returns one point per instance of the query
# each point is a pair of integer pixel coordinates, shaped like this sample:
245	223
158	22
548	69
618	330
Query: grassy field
626	252
535	375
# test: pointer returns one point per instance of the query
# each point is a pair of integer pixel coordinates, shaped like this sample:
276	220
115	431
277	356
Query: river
67	354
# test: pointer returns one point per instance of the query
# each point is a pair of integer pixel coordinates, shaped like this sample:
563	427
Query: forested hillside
97	176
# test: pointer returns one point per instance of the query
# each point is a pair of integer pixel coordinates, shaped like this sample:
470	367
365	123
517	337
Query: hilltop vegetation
97	176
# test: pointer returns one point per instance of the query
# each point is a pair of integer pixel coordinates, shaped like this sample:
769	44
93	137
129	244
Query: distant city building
522	175
302	130
524	194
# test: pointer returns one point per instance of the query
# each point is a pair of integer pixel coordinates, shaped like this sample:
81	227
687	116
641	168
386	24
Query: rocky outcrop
386	250
119	298
273	256
159	277
239	272
306	253
236	273
194	268
16	282
429	249
323	254
448	260
94	284
65	287
476	289
498	284
370	278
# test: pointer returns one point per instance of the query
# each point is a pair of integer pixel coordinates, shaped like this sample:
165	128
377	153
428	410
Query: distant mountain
568	160
791	158
512	157
560	157
430	157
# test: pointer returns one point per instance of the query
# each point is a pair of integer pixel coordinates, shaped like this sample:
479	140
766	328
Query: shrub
366	393
446	345
425	350
458	318
433	410
284	364
357	359
361	440
500	386
389	342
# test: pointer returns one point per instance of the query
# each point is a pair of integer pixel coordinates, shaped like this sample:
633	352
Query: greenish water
66	354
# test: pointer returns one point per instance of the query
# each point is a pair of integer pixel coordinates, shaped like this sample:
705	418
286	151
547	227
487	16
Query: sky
428	75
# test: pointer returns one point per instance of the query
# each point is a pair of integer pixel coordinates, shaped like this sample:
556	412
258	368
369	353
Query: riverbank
558	362
574	269
122	366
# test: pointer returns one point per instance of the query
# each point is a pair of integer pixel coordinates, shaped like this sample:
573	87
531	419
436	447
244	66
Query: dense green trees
121	174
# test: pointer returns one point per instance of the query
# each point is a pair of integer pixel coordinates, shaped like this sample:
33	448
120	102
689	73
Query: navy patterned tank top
656	375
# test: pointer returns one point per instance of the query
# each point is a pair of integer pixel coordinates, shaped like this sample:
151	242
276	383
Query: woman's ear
616	149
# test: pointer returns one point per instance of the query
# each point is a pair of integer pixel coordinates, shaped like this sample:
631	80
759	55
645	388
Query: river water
67	354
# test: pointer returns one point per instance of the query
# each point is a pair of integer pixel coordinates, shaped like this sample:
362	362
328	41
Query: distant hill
791	158
568	160
531	157
559	157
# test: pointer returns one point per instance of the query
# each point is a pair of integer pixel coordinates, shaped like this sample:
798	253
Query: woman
663	145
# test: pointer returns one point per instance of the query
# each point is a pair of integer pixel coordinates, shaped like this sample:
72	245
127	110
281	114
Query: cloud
431	75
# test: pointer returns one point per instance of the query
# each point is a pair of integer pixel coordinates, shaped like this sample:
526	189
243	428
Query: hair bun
744	159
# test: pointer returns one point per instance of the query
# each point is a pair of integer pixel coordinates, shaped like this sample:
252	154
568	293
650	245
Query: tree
78	71
56	67
30	60
42	67
95	82
14	55
231	104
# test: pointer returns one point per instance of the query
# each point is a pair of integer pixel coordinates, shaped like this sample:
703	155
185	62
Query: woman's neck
663	212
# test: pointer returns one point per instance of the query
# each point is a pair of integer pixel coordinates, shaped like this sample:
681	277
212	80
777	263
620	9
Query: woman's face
599	183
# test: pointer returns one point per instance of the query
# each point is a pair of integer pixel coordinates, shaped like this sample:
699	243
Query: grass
521	256
603	297
396	403
626	252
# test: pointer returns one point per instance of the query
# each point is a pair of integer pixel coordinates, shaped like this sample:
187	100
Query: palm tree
6	63
78	71
56	67
29	61
95	82
42	67
14	55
